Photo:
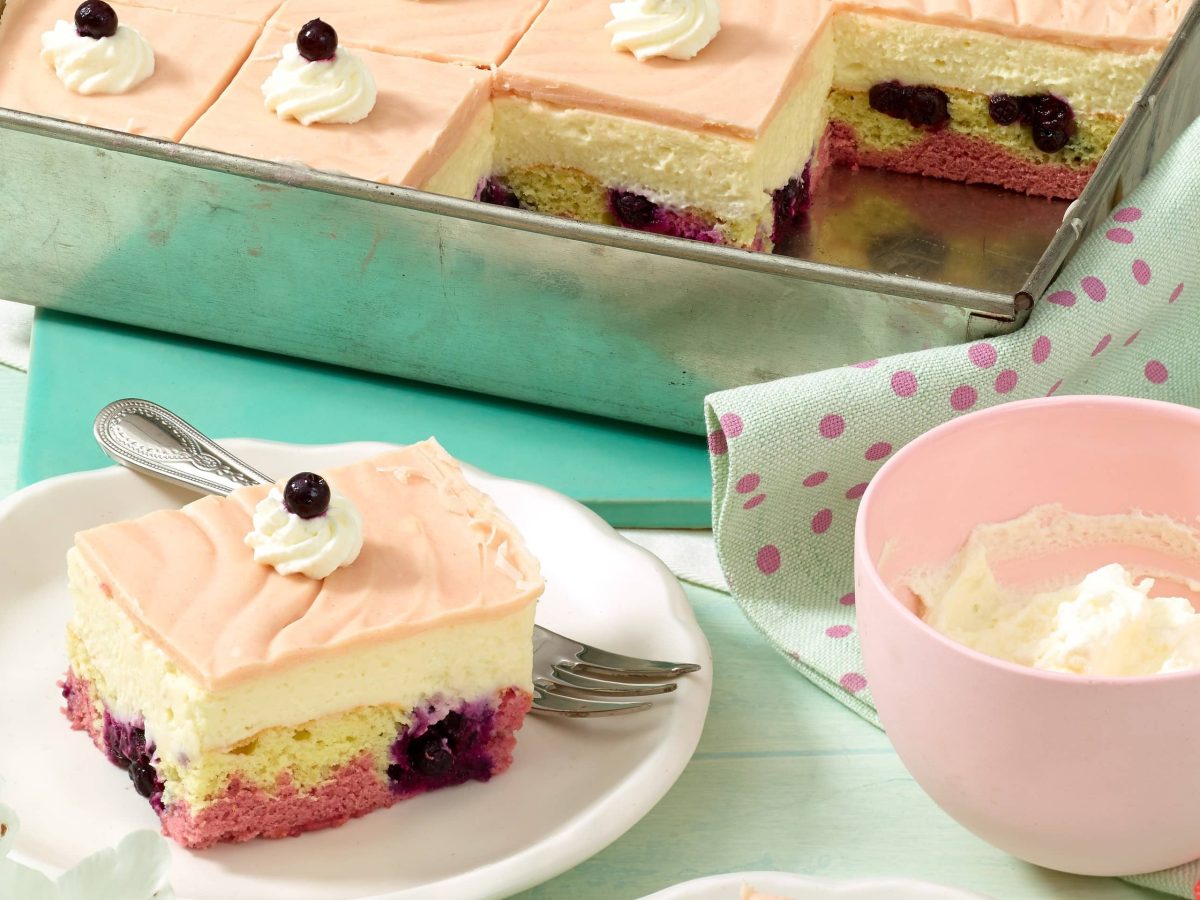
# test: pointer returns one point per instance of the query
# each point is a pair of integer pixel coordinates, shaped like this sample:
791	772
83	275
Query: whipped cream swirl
334	91
678	29
107	65
312	547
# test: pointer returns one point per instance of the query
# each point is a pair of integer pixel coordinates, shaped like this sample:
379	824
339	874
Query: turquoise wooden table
784	778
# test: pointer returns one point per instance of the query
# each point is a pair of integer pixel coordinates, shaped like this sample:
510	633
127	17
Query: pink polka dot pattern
853	682
866	364
815	479
732	425
1119	235
904	383
1133	337
1094	288
717	445
857	491
1141	272
832	426
1104	342
1175	293
1127	214
877	451
821	521
982	355
847	599
754	501
839	631
1006	381
963	397
1062	298
1054	387
1041	349
1156	372
768	559
747	484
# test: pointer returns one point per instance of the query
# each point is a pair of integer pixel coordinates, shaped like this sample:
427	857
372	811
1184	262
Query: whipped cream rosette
307	528
318	82
677	29
96	54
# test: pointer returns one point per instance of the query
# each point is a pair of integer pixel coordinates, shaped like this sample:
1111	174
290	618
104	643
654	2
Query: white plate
803	887
574	786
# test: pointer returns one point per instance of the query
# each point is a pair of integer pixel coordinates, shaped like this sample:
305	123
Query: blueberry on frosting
317	41
95	19
307	495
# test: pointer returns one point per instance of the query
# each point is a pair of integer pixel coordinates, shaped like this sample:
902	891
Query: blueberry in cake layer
290	657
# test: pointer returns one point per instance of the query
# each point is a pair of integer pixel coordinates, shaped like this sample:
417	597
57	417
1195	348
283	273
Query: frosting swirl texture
334	91
677	29
108	65
312	547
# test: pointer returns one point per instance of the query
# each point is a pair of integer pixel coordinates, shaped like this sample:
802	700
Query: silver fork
570	678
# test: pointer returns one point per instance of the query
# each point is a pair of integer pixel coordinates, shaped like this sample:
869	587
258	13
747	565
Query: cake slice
430	128
194	59
713	148
471	32
248	703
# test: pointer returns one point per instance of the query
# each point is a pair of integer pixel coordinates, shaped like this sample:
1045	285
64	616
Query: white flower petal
135	870
28	884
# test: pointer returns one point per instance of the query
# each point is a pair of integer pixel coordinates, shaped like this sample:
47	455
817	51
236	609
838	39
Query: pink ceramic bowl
1099	776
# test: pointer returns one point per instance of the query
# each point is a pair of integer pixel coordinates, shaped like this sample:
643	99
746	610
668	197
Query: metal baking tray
589	318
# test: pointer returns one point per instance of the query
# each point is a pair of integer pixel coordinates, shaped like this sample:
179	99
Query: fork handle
143	436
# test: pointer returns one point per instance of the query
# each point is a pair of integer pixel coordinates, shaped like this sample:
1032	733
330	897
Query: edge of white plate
849	889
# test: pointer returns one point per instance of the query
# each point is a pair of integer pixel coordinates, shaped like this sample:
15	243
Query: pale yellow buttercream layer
136	679
461	174
969	116
874	48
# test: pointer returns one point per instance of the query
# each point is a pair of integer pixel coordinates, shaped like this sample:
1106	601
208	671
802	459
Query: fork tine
575	708
587	660
565	682
606	664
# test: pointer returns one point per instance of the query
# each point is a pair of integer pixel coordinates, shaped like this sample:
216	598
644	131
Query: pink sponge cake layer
957	157
483	749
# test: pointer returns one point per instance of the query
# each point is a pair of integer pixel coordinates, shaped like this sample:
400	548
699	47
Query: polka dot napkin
791	458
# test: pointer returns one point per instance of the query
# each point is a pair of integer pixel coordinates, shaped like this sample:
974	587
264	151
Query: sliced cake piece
472	32
194	59
248	703
430	126
713	147
1023	96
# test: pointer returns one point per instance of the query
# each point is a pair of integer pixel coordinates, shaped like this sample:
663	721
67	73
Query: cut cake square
195	58
245	703
431	127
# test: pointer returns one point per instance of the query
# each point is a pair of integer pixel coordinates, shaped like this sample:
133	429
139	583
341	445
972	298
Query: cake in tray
707	119
285	659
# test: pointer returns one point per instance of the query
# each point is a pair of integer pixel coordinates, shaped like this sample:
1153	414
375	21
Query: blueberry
143	776
1004	109
95	19
890	98
928	107
1049	139
791	200
307	495
1050	112
316	41
498	194
633	210
429	755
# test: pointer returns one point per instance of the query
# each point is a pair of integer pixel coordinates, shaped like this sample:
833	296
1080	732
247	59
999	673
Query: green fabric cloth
791	458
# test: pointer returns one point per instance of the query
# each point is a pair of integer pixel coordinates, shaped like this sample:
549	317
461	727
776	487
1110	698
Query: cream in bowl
1090	764
1015	591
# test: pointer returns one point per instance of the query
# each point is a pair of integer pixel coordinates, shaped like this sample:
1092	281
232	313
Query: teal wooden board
633	476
